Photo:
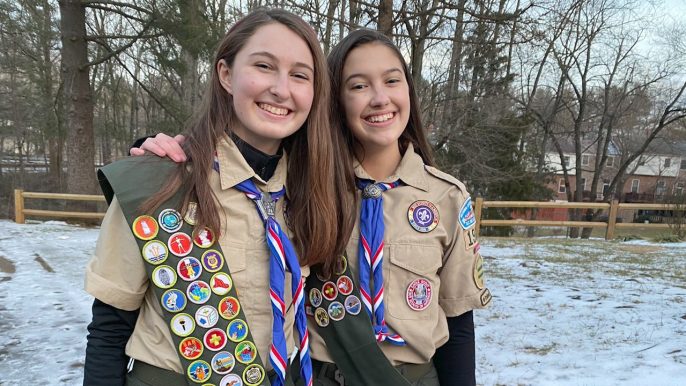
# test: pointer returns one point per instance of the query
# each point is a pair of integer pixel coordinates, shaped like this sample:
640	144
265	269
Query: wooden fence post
19	206
477	214
612	219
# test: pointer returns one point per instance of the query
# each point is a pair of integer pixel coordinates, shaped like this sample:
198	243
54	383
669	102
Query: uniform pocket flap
419	259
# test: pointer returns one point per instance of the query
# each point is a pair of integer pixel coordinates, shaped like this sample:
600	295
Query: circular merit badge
215	339
145	227
423	216
237	330
182	325
170	220
315	297
229	307
223	362
205	238
321	317
164	276
198	292
199	371
231	380
341	265
206	316
190	348
479	272
212	260
336	311
345	285
173	300
155	252
353	305
419	294
253	374
180	244
189	268
329	290
191	213
245	352
221	283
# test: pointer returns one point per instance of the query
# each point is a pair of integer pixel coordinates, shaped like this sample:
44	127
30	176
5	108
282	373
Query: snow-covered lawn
565	312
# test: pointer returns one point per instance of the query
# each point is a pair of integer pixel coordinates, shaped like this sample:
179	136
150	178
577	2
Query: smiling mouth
273	110
379	118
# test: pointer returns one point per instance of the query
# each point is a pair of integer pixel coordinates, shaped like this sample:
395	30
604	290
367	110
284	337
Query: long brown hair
414	132
316	205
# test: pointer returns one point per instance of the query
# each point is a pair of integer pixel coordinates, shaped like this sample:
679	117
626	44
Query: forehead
280	41
371	59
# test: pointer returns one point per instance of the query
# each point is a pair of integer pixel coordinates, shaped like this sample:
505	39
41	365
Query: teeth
380	118
272	109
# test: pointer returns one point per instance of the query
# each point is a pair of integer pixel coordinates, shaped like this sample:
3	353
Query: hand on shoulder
162	145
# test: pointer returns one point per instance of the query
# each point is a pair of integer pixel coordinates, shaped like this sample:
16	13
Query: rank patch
205	238
253	374
246	352
341	265
486	297
322	317
423	216
155	252
198	292
336	311
191	348
315	297
164	277
419	294
467	218
180	244
479	272
212	260
215	339
345	285
221	283
173	300
199	371
206	316
237	330
231	380
189	268
191	213
229	307
145	227
470	238
170	220
223	362
182	325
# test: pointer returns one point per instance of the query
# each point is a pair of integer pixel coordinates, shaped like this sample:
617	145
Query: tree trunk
386	17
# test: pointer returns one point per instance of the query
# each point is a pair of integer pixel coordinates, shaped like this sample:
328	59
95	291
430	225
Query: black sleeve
455	360
139	142
108	334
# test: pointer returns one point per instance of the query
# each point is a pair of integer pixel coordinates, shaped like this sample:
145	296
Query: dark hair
414	132
315	204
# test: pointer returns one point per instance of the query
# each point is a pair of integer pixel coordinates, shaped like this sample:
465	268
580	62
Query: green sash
134	180
350	340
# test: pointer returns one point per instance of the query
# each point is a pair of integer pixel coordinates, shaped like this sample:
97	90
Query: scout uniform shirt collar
235	169
410	171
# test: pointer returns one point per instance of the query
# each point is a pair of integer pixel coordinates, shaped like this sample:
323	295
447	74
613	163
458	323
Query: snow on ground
564	312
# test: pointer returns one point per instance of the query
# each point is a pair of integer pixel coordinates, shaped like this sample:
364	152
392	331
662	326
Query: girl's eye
263	66
302	76
357	87
394	81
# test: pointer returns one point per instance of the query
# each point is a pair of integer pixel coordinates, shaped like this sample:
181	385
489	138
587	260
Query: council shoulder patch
466	216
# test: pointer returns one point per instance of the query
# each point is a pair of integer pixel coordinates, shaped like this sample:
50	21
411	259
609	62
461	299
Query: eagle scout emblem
321	317
237	330
199	371
180	244
190	348
467	218
164	277
205	238
253	374
229	307
329	290
215	339
246	352
419	294
423	216
353	305
206	316
173	300
221	283
191	213
198	292
170	220
345	285
336	311
155	252
231	380
479	272
145	227
212	260
182	325
189	268
315	297
223	362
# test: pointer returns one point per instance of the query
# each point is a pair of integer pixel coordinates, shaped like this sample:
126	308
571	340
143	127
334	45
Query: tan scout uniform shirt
441	256
116	274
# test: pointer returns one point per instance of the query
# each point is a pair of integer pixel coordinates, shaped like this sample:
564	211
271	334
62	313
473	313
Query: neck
379	163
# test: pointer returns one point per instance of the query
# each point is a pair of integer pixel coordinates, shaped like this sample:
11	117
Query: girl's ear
224	74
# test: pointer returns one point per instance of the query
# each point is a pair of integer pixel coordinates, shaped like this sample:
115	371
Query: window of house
610	162
660	190
679	188
635	185
668	162
583	184
561	188
567	160
683	164
585	160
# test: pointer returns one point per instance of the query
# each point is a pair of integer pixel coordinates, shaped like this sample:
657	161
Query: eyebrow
274	58
363	75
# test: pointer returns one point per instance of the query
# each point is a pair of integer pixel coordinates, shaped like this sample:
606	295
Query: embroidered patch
212	260
164	277
479	272
341	265
198	292
246	352
321	317
467	218
173	300
345	285
205	238
190	348
145	227
170	220
182	325
206	316
336	311
221	283
470	238
229	307
423	216
309	310
180	244
231	380
189	268
353	305
315	297
419	294
199	371
215	339
223	362
253	374
329	290
486	297
191	213
155	252
237	330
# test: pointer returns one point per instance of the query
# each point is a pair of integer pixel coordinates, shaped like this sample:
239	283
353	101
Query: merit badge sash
190	278
334	303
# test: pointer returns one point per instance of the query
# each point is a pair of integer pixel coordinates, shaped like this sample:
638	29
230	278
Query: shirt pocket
410	262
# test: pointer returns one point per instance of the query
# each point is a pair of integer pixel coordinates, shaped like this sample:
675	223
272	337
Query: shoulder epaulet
448	178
